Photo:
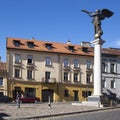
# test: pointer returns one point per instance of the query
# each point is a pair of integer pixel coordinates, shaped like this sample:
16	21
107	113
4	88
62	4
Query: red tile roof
3	66
111	51
56	47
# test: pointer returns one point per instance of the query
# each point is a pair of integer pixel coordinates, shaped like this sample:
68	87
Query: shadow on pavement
3	115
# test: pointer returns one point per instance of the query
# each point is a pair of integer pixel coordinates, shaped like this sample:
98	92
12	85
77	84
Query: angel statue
98	15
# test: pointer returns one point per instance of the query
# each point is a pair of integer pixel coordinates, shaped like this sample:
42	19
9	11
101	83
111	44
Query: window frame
17	73
113	68
17	58
76	63
89	64
29	59
48	61
66	76
29	74
104	67
1	81
88	78
75	77
113	84
66	62
47	75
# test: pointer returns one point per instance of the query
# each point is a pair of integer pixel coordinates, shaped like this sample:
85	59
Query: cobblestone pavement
39	110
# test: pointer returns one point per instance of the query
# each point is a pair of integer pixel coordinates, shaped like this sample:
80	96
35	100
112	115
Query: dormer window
30	44
17	43
48	46
84	49
71	48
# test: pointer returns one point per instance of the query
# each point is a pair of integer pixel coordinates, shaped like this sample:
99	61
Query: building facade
111	70
42	69
3	79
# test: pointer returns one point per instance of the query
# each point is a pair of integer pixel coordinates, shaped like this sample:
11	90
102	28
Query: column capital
98	41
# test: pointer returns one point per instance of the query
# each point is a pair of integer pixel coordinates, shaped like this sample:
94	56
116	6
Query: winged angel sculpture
98	15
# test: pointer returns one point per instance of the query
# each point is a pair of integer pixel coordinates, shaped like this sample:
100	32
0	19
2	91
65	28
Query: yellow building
42	69
3	79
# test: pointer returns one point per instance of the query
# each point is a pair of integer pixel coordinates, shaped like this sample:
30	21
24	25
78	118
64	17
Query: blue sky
57	21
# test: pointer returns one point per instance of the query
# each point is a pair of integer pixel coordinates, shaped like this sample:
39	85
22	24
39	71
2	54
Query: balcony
30	65
77	82
89	70
76	68
18	64
51	80
66	67
89	83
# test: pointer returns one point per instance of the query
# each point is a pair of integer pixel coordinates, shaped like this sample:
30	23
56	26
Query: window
75	77
113	84
29	74
1	94
66	63
66	93
104	67
17	58
112	68
29	59
89	65
104	84
1	81
30	44
65	76
76	63
86	93
48	46
47	75
17	43
88	78
17	73
71	48
30	92
48	61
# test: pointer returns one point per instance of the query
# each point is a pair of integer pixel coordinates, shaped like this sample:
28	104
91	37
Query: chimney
68	42
85	44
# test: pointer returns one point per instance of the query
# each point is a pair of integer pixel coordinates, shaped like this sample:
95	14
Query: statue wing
89	13
107	13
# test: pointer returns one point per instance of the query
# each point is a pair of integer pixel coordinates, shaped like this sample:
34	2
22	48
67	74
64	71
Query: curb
71	113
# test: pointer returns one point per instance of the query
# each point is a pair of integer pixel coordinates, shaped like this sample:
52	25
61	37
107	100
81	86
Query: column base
98	101
95	101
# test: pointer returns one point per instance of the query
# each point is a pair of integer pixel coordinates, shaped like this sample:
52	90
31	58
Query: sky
57	21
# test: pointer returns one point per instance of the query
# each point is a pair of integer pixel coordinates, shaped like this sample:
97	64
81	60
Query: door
75	95
45	95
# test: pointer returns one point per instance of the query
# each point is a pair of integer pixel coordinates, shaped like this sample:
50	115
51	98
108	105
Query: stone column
97	66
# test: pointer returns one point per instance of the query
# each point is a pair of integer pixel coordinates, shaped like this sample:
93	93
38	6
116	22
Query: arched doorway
45	95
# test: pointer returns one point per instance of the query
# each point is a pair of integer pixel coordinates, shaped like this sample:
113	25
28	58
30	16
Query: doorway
46	94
